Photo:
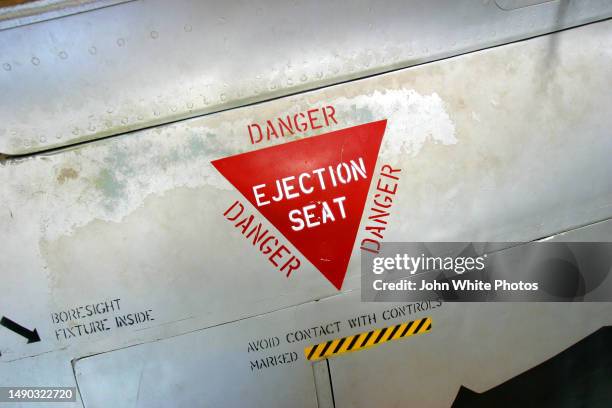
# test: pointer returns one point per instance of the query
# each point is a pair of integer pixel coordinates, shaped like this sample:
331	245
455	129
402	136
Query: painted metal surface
493	145
144	63
471	345
42	10
480	347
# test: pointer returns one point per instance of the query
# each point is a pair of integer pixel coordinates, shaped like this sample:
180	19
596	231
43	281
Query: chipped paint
413	119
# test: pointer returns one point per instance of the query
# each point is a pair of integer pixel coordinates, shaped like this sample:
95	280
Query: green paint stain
363	115
111	188
119	161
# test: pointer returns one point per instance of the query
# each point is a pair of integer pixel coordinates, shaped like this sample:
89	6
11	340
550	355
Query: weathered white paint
138	217
145	63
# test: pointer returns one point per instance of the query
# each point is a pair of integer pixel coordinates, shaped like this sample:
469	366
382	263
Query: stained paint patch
67	173
111	187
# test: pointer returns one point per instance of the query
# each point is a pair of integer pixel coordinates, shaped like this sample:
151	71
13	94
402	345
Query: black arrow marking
32	336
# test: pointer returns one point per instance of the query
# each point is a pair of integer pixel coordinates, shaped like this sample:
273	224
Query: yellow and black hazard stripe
366	339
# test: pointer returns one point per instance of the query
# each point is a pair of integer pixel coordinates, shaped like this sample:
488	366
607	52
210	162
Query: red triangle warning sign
312	190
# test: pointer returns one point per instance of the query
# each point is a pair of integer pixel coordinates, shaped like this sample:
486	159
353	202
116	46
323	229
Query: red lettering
313	120
277	253
256	126
300	122
331	114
